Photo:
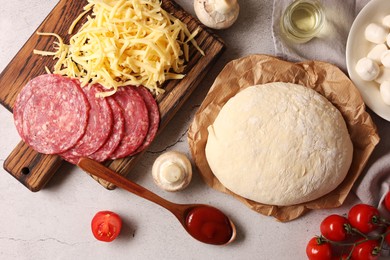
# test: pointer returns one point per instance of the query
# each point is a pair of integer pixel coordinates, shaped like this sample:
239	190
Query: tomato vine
360	234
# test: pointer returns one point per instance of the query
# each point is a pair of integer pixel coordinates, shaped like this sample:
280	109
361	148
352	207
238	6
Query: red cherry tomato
334	227
364	217
386	201
367	250
106	226
318	250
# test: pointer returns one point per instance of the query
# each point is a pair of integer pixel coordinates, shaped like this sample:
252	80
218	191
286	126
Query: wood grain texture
34	170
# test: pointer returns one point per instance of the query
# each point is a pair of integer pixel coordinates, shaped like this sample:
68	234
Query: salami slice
55	116
116	136
98	128
25	94
154	117
136	121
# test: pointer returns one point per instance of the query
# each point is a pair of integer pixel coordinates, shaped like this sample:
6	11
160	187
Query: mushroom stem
172	171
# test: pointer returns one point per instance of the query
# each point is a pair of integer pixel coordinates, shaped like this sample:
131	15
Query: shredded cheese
124	42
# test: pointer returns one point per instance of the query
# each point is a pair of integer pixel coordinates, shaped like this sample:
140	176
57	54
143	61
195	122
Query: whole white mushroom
217	14
172	171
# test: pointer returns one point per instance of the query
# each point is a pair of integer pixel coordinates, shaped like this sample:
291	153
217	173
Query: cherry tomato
106	226
364	217
367	250
318	250
334	227
386	201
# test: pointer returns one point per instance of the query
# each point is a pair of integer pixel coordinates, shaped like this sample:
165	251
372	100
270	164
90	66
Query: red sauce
209	225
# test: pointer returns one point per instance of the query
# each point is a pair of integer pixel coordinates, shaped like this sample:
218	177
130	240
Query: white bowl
358	47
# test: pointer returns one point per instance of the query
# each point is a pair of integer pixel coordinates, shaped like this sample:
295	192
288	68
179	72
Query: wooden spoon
203	222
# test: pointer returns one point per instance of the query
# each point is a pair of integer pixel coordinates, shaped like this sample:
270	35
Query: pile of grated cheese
124	42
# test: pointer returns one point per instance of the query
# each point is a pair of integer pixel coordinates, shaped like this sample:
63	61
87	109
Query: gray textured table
55	222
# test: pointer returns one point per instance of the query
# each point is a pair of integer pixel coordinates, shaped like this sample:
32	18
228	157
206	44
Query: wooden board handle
32	169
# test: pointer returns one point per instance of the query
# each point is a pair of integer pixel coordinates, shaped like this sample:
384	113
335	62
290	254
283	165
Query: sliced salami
55	116
25	94
98	130
116	136
154	117
136	121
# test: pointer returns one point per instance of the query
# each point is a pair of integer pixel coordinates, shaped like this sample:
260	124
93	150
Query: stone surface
55	223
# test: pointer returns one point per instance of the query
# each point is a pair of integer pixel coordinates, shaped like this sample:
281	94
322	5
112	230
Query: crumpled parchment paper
323	77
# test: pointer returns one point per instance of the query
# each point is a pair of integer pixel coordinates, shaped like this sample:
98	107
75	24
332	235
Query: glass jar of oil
302	20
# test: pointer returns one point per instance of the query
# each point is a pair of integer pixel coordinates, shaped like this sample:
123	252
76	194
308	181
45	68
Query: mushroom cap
217	14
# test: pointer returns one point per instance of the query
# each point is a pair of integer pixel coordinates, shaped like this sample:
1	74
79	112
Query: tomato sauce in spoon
204	223
209	225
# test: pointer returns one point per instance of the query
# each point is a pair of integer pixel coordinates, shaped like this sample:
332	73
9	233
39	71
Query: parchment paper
323	77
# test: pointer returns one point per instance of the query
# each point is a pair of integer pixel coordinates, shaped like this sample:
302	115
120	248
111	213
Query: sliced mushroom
217	14
172	171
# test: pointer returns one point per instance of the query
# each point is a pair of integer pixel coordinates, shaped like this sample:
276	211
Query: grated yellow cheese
124	42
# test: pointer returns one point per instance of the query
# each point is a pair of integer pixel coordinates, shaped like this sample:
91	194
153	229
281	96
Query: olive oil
302	20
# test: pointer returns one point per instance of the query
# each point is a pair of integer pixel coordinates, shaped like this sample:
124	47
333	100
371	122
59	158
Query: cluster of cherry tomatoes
360	235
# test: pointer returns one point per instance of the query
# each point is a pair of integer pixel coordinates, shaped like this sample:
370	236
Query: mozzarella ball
376	33
367	69
376	53
388	39
385	92
385	59
386	21
384	74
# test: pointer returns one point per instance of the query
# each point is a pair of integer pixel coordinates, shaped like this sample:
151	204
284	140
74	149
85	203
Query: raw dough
279	144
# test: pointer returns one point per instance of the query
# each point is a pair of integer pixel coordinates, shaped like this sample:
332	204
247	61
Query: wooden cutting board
33	169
